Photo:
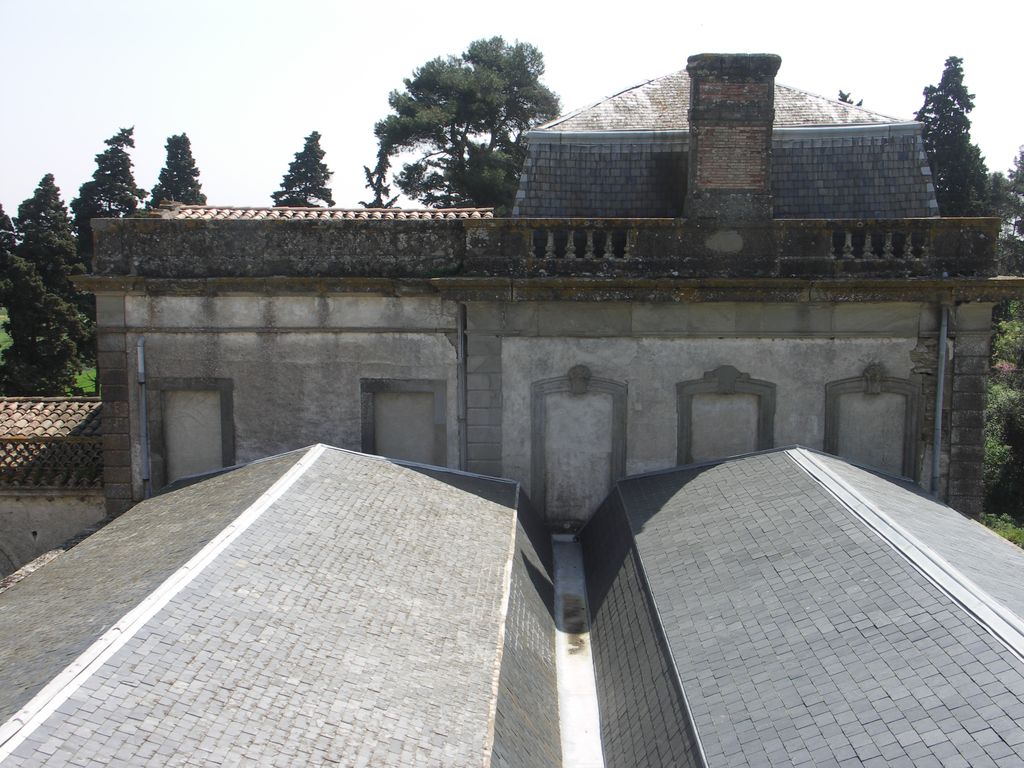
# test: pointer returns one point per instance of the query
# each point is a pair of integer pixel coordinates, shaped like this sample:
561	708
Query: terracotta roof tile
50	442
662	105
29	417
216	213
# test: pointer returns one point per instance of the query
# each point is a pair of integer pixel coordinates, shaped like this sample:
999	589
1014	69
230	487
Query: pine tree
179	178
1006	200
958	169
305	184
110	194
44	321
377	182
465	118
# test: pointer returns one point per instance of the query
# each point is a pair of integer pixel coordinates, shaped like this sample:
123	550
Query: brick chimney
732	106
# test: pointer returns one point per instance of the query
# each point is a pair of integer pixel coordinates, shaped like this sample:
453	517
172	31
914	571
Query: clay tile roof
50	442
662	105
44	417
232	213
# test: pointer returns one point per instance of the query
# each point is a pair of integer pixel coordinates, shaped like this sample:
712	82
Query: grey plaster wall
650	354
294	362
35	521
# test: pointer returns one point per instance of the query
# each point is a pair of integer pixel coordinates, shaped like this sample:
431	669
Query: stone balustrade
522	248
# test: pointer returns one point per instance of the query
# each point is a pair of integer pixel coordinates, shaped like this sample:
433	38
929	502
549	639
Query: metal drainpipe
147	483
460	353
940	386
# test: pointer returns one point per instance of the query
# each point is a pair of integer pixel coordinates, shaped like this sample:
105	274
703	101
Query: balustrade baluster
848	245
549	248
589	252
868	251
570	245
629	245
887	251
609	245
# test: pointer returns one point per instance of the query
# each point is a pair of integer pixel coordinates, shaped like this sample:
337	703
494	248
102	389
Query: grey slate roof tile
355	621
865	659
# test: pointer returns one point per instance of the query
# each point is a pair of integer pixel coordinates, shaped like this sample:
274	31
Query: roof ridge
60	687
845	104
572	113
995	617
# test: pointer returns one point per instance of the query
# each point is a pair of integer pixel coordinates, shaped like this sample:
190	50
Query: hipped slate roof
50	442
789	609
318	607
222	213
662	104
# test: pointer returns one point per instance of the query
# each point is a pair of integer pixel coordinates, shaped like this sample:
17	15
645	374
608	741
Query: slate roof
50	442
662	104
222	213
807	613
335	608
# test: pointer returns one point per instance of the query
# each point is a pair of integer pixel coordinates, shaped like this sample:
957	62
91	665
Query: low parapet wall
802	248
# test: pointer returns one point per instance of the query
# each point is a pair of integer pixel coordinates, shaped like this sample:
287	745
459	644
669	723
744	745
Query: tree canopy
44	322
1006	198
958	169
377	183
464	118
111	193
305	184
179	178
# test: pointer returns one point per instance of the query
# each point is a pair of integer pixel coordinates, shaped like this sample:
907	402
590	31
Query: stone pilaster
483	404
112	374
971	350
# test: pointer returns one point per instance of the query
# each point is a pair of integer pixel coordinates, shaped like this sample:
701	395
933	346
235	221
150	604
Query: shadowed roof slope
806	621
662	105
345	609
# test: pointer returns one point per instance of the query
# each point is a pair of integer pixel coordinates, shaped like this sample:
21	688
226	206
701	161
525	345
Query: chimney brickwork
732	107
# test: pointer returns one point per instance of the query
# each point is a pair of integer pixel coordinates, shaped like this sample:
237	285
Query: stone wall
36	520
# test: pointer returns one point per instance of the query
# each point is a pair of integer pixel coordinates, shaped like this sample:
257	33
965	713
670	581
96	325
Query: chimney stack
732	107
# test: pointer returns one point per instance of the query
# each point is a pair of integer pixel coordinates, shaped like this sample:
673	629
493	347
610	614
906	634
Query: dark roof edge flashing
988	612
791	133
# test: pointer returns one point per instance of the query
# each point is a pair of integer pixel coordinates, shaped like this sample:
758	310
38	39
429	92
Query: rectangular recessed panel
577	450
403	426
192	431
723	425
871	429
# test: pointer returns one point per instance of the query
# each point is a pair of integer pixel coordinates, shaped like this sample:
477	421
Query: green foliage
179	178
1004	415
305	184
958	169
1006	194
110	194
1007	526
465	117
44	322
377	182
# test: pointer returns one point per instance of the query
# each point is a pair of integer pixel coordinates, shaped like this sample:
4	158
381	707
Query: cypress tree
44	321
958	169
305	184
179	178
111	194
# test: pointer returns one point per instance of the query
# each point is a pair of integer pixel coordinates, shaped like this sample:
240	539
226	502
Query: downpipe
147	482
940	386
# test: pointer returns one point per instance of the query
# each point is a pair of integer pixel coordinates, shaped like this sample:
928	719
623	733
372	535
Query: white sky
248	79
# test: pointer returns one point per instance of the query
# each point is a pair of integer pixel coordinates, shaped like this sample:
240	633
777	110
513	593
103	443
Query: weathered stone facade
561	352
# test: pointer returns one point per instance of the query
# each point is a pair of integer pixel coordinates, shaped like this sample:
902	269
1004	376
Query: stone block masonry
483	404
